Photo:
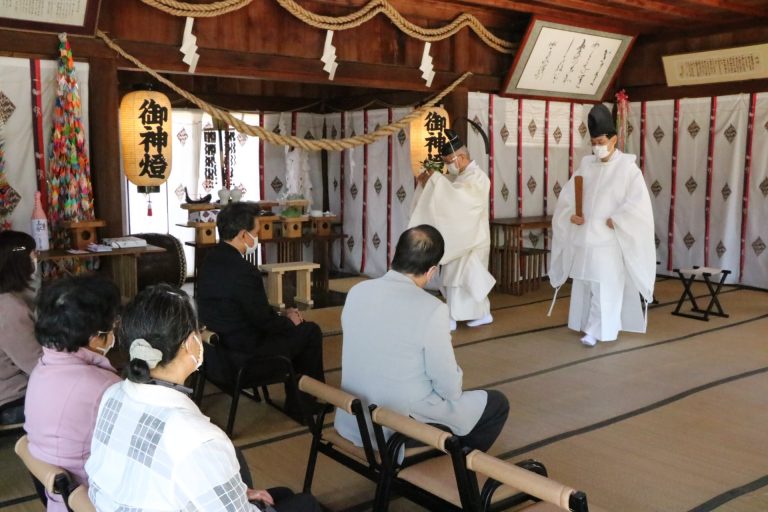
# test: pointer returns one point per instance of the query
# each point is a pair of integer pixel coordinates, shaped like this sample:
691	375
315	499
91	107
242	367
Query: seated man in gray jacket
397	350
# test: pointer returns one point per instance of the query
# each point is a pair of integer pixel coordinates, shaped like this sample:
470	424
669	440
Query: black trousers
285	499
489	426
12	412
303	345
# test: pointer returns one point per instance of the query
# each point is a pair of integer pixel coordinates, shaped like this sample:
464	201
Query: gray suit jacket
397	353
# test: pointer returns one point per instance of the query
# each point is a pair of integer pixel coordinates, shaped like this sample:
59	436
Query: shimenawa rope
276	138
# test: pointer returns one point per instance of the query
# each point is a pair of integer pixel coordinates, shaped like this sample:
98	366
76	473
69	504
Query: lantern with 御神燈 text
145	124
427	138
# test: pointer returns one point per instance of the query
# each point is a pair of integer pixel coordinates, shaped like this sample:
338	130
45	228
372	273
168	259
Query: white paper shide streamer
189	46
427	70
329	56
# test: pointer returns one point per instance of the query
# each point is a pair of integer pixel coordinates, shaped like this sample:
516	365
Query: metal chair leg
233	406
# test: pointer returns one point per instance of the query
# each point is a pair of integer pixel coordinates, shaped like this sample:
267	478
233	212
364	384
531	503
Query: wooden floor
673	420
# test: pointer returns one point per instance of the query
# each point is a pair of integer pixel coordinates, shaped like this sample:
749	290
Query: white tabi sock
481	321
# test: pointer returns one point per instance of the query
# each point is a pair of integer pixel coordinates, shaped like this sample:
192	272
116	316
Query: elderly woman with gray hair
152	448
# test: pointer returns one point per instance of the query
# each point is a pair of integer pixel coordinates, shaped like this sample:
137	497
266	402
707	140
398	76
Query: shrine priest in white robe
456	204
609	250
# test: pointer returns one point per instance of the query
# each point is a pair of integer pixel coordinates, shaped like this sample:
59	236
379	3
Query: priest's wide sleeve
633	223
456	210
560	256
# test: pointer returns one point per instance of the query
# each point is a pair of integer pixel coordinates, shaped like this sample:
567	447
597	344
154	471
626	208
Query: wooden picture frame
70	16
557	60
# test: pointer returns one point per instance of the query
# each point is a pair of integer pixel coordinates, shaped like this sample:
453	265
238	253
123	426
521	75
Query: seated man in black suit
233	303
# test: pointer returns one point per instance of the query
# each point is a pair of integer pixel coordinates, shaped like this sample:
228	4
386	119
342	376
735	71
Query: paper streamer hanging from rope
280	139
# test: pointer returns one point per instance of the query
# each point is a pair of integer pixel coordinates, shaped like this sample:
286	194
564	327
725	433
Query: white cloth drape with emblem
403	184
353	196
727	183
658	171
691	184
376	201
504	157
755	255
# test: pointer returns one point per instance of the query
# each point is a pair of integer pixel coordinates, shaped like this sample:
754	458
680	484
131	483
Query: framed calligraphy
72	16
564	61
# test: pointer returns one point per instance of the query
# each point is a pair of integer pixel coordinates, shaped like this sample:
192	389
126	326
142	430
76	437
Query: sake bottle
40	225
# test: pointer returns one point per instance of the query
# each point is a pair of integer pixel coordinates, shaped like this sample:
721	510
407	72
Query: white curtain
376	197
403	185
353	196
504	151
756	233
691	183
16	86
727	183
559	146
658	172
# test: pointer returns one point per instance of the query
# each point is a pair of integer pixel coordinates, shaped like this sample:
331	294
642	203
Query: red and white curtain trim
705	162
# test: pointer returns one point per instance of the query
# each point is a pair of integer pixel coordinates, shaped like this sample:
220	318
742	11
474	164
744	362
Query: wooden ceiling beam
669	8
282	68
737	7
439	10
587	6
573	15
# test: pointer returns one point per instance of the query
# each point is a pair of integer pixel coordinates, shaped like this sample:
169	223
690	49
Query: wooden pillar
104	103
324	171
457	105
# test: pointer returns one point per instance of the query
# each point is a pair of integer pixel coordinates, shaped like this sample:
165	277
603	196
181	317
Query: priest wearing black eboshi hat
456	203
608	250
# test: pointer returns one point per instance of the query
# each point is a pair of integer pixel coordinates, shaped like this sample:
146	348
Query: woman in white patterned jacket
152	448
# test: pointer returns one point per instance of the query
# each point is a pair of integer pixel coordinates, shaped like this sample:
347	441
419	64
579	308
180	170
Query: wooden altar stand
517	269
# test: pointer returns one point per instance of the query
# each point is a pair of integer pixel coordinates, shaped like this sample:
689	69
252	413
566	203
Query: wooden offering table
517	269
121	263
275	273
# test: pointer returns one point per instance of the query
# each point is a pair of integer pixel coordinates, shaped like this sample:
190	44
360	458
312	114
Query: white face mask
600	151
34	266
453	169
250	250
105	349
198	360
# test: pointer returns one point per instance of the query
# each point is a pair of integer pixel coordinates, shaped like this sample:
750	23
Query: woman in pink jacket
74	321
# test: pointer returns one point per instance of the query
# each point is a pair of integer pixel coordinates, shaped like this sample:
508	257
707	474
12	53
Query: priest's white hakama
458	208
611	268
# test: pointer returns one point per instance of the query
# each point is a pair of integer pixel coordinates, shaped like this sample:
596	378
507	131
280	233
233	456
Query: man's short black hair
418	249
72	309
235	217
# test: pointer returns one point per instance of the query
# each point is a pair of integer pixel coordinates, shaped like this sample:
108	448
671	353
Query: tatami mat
671	420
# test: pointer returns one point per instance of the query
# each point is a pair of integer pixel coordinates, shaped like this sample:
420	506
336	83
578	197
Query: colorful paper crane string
69	191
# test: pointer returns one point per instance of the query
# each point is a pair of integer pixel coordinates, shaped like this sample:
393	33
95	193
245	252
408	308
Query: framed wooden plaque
556	60
71	16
